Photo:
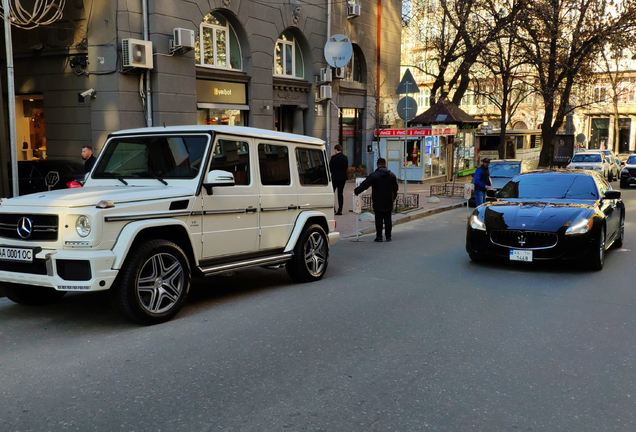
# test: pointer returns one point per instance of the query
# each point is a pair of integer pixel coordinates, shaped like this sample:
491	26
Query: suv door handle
292	207
250	210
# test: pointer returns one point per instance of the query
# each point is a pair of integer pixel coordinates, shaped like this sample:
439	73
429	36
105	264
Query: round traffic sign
580	138
407	108
338	50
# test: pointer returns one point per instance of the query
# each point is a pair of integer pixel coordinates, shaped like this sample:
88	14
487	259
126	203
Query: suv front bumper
67	270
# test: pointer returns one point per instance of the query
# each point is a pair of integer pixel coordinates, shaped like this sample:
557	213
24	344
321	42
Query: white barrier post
468	191
357	208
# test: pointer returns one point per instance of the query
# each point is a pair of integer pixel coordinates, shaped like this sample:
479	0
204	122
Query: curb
411	217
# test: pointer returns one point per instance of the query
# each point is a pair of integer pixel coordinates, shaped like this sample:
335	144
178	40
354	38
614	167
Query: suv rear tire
153	283
311	255
29	295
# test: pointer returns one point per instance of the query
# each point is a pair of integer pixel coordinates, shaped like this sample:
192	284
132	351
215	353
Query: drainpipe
11	96
377	89
144	6
328	104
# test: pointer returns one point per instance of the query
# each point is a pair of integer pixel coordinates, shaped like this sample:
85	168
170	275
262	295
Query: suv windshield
631	160
582	157
550	186
507	170
161	156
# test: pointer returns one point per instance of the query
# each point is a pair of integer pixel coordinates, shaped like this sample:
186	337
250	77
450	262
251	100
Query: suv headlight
83	226
476	223
580	226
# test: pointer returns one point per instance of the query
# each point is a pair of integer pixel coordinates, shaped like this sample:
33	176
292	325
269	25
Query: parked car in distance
615	165
622	157
628	173
549	215
32	174
591	160
164	204
501	171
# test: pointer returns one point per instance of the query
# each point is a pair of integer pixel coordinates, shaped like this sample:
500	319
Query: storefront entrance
30	129
221	103
349	135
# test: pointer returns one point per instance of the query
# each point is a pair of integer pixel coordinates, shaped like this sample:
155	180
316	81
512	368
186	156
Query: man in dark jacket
89	159
338	166
482	182
383	193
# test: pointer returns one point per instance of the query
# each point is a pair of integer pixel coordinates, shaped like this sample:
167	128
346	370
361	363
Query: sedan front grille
632	172
519	239
42	227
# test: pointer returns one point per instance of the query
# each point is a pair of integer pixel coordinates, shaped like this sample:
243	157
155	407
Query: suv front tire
311	255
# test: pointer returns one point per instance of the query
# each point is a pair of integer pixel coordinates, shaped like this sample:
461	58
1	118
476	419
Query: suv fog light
83	226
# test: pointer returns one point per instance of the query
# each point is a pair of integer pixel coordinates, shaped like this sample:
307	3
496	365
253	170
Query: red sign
417	132
348	132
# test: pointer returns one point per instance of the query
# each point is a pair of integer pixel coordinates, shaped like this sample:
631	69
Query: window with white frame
217	44
288	58
600	94
424	99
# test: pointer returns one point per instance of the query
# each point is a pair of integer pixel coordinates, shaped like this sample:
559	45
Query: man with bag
384	189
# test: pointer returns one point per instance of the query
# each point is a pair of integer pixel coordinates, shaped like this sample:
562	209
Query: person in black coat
89	159
383	193
338	166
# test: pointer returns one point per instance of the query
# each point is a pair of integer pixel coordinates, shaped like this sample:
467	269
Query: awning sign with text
418	132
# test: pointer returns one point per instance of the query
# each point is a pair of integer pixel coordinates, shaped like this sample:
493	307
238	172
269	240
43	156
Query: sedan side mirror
612	195
217	178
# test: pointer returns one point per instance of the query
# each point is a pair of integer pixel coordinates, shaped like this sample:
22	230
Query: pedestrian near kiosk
338	166
384	189
482	182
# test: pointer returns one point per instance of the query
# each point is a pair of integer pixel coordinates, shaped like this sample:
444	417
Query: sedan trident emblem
522	239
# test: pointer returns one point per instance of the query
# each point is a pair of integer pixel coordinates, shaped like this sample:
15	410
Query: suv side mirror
491	193
217	178
612	195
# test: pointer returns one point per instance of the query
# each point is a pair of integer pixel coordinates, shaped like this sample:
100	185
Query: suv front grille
524	239
44	227
74	270
632	172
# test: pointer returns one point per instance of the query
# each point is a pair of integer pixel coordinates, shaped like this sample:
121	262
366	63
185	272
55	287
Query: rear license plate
520	255
16	254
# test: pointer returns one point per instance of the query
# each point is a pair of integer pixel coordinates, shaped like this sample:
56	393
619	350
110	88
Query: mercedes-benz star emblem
522	239
25	227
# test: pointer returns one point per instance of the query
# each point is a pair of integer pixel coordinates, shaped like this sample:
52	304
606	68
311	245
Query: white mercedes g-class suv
162	204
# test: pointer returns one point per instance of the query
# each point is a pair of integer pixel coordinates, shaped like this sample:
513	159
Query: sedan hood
90	196
545	215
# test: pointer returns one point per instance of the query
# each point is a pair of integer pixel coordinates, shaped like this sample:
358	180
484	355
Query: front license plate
16	254
520	255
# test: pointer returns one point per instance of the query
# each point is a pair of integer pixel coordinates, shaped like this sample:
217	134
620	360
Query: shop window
217	44
234	157
413	154
30	127
273	161
288	58
599	133
227	117
312	168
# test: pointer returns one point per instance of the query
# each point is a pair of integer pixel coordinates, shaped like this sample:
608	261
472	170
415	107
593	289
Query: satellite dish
338	50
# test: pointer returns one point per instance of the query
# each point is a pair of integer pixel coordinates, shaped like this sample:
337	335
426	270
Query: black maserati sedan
549	215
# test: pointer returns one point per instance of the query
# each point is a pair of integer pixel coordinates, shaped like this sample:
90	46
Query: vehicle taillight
73	184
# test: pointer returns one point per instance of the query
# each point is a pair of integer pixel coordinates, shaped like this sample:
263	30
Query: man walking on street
338	166
482	182
383	193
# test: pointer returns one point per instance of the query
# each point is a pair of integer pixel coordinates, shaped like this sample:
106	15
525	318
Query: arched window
519	125
288	58
356	66
217	44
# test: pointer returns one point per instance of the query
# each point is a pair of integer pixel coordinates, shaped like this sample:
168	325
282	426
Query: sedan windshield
582	157
551	186
507	170
631	160
170	157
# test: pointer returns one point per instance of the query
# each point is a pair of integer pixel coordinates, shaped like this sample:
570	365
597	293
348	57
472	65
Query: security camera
87	93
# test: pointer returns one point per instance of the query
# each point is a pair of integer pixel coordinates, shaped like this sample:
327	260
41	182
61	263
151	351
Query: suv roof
230	130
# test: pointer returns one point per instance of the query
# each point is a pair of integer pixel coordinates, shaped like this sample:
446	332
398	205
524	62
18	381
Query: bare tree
561	38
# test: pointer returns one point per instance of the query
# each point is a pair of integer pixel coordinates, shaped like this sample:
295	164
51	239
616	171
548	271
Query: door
278	190
230	213
608	207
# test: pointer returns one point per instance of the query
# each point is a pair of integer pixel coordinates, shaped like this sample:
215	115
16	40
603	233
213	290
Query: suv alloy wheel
311	255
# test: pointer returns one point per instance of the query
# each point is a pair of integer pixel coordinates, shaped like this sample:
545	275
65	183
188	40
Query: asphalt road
406	336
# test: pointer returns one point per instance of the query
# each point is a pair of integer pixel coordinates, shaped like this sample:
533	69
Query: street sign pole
406	134
11	96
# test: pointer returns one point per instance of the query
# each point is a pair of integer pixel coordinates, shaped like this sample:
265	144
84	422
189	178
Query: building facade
254	63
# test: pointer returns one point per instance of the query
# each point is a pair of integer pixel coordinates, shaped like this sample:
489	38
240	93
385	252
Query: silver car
591	160
615	167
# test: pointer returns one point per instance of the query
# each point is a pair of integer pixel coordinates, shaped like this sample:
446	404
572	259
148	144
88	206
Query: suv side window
312	168
273	161
233	156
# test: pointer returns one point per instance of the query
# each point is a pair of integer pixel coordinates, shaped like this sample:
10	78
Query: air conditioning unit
353	10
136	53
183	39
325	92
325	74
340	72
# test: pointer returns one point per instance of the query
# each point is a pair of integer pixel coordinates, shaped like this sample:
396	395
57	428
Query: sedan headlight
83	226
625	171
476	223
580	226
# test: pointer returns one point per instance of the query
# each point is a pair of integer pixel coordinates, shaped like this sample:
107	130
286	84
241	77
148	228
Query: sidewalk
346	224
